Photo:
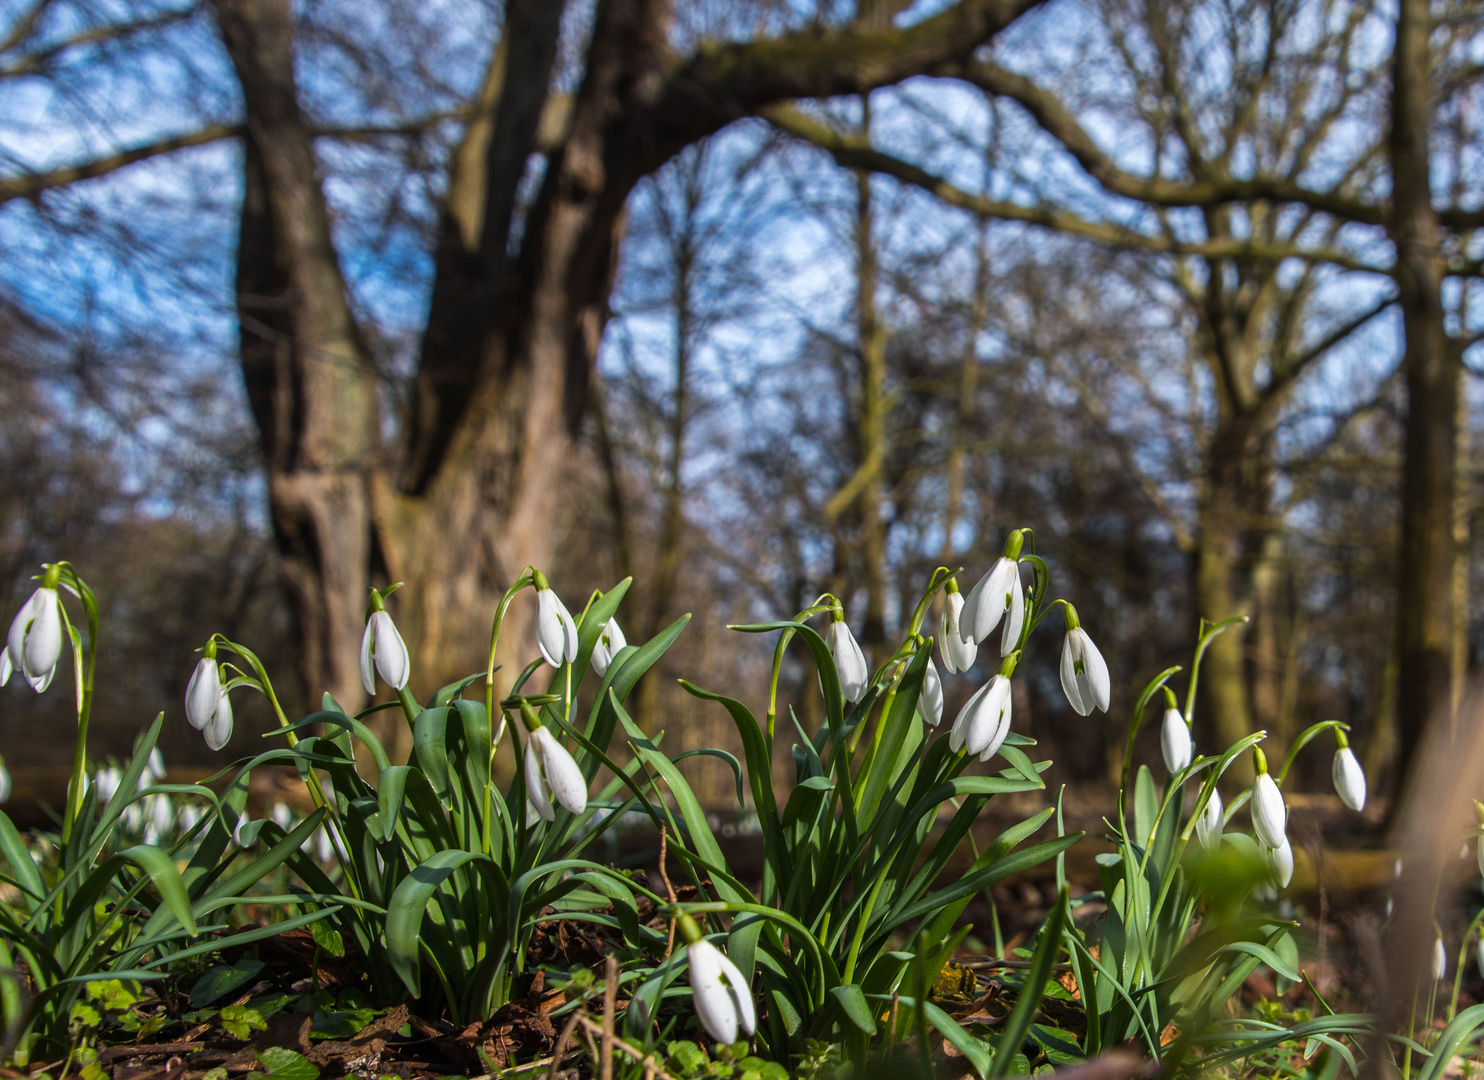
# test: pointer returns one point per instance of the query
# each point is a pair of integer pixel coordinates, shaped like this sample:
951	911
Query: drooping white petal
1349	779
930	703
958	654
850	662
1084	674
43	647
556	633
4	784
1174	741
282	816
989	717
959	733
1002	727
389	651
988	600
218	729
741	993
536	782
15	641
1269	815
1280	864
1014	615
368	669
203	693
563	777
1208	828
717	1004
156	764
6	667
610	642
1439	959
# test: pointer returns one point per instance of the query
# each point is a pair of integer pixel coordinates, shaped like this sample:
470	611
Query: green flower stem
84	680
1209	632
1303	739
823	603
527	578
410	708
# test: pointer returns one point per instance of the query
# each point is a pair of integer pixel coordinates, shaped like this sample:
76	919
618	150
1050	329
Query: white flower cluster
983	723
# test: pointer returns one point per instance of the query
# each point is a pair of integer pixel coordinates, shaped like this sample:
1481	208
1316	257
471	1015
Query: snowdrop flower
1269	815
998	594
208	708
1208	828
383	648
958	652
1174	739
1479	954
550	770
1084	673
161	813
609	642
930	703
155	766
188	817
850	662
4	782
282	816
34	644
556	633
324	846
984	721
722	997
1439	959
1347	774
107	782
1280	864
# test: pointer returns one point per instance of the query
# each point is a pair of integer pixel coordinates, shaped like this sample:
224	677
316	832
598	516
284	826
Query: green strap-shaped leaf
879	772
404	918
855	1007
27	876
430	747
166	879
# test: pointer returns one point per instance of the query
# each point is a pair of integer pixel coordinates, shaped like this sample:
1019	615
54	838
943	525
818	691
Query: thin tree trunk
871	426
968	391
1425	627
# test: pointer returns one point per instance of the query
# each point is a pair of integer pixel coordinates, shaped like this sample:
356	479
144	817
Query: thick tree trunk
472	495
310	386
1425	614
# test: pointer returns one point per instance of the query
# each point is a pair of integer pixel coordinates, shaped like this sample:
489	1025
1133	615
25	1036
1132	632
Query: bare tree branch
32	185
723	82
1056	120
855	154
31	63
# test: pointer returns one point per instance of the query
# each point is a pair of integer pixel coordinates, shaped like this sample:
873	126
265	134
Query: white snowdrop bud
556	633
34	644
1174	741
850	662
383	652
721	996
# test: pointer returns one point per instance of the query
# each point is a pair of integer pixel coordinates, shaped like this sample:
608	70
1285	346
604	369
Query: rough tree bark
468	497
312	391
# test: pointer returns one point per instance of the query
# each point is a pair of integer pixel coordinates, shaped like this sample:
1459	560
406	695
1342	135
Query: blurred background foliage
813	372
